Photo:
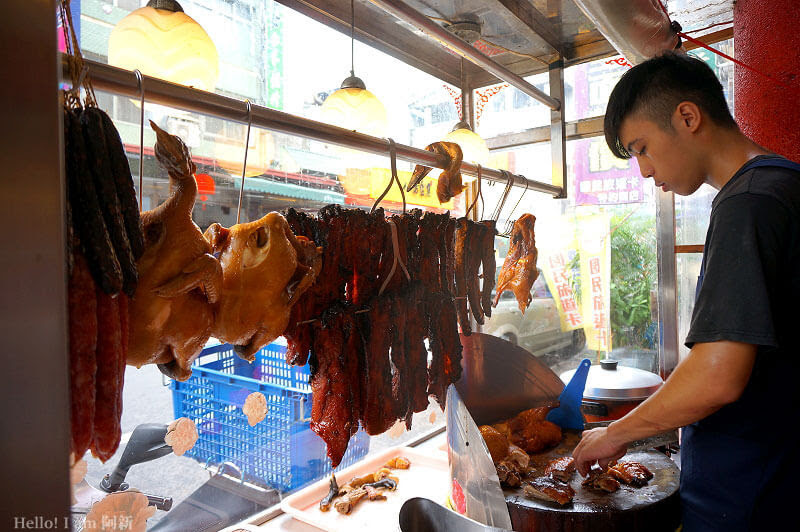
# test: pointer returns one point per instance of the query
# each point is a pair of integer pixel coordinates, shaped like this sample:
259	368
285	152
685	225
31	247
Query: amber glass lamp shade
165	44
472	145
357	109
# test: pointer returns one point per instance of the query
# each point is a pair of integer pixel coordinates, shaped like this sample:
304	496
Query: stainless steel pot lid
608	380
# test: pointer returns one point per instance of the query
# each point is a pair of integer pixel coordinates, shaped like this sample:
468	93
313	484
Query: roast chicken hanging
265	268
171	313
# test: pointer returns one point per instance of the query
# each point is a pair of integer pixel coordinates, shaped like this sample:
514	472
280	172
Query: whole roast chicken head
171	313
265	269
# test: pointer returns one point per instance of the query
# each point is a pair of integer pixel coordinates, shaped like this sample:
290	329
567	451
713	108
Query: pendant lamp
472	145
352	106
164	42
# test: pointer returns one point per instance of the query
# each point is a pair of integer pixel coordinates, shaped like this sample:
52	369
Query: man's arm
711	376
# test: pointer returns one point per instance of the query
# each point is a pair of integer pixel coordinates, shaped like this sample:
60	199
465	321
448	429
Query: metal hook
140	83
393	179
504	197
478	195
510	221
244	165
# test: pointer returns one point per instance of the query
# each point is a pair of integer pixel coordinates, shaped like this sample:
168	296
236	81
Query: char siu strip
459	251
332	416
377	402
417	355
488	266
472	259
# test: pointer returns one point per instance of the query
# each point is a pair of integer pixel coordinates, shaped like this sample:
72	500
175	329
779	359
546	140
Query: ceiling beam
383	33
541	27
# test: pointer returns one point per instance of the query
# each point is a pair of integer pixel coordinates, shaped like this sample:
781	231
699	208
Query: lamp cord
352	37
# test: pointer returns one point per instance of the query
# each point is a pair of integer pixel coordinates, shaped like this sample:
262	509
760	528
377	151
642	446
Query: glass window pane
501	108
587	87
556	325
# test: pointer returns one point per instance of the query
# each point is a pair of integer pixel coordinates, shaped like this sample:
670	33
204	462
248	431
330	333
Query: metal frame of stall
35	391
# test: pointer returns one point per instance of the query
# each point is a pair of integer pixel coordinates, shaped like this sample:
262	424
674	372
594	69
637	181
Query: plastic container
281	451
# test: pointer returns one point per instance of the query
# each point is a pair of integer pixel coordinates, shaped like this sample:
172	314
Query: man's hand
597	445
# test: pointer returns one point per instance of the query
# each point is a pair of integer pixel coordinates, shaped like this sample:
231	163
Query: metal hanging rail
124	82
410	15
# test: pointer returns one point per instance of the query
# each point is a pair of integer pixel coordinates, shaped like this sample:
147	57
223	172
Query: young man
736	393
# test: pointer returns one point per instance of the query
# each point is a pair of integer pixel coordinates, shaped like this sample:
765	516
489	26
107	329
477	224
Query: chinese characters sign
595	259
602	179
558	277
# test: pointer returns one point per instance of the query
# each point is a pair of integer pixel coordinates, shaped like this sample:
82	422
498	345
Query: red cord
726	56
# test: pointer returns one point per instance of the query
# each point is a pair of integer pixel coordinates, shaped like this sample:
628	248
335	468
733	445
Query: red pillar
767	37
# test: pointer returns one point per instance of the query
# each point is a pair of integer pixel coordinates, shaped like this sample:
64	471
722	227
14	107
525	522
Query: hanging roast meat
265	269
449	184
519	267
171	314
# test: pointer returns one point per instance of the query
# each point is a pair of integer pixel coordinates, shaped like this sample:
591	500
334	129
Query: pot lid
609	380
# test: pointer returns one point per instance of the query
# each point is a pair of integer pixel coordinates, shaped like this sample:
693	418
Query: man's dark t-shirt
739	464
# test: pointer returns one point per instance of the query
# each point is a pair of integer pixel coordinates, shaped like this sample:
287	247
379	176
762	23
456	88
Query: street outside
148	400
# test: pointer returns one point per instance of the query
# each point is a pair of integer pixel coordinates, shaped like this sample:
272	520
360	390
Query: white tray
428	476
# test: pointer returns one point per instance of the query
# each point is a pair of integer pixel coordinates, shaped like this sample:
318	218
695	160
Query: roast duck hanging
265	269
172	311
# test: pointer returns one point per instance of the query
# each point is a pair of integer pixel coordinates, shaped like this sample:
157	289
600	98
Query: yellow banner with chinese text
373	181
557	247
595	264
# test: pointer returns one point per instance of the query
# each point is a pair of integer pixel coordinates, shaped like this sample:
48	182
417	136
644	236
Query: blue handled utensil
568	414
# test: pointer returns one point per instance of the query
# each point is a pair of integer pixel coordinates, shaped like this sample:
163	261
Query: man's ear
687	117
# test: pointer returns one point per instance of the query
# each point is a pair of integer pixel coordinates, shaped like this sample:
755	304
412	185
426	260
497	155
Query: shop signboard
603	179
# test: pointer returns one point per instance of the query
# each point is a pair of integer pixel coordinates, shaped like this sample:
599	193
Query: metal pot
612	391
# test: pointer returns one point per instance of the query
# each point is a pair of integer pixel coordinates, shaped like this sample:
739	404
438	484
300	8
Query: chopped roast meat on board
517	456
548	489
171	313
519	267
599	480
561	468
495	442
488	265
508	474
532	432
632	473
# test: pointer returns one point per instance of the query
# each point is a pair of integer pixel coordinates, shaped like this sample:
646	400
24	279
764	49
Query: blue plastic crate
280	452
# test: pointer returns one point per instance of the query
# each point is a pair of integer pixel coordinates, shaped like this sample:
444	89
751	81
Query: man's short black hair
655	87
